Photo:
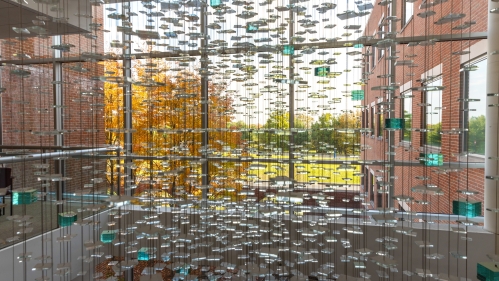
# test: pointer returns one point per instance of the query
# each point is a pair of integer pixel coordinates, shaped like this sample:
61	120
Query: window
433	114
368	61
381	35
373	54
473	105
406	113
364	121
372	120
408	12
381	121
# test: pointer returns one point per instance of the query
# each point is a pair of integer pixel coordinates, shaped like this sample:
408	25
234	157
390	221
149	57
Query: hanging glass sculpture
215	3
145	254
322	71
24	196
394	123
466	208
431	159
288	50
487	271
251	28
66	219
357	95
107	236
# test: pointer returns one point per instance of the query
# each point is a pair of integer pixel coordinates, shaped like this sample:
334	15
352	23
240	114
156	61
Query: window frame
373	120
380	119
381	35
465	93
424	113
402	114
405	18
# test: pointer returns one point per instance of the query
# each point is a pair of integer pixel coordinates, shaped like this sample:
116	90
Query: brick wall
426	59
28	105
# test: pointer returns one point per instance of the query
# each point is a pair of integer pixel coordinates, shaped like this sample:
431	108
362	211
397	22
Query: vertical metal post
128	274
291	164
60	165
491	195
204	99
391	113
127	111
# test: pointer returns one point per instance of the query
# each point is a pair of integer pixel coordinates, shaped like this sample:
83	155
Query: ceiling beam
175	56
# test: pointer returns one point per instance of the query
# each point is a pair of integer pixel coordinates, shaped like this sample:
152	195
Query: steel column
491	195
391	113
127	115
60	165
204	101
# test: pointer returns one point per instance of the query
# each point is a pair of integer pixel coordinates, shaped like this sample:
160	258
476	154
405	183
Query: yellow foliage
166	120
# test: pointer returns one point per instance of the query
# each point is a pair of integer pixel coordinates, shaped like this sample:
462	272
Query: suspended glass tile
145	254
467	208
357	95
107	236
24	196
394	123
288	50
487	271
66	219
431	159
322	71
251	28
215	3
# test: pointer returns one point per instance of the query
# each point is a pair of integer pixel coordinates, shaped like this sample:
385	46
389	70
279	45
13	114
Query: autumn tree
167	132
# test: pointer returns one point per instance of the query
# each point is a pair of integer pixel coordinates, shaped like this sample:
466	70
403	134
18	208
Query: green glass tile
24	197
107	236
215	3
486	271
467	208
357	95
145	254
186	269
431	159
358	46
288	50
251	28
322	71
394	123
66	219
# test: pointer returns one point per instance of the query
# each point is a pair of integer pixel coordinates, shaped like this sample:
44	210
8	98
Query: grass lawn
305	172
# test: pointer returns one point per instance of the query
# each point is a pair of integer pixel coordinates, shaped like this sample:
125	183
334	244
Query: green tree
322	132
303	124
434	136
277	130
476	141
407	125
337	133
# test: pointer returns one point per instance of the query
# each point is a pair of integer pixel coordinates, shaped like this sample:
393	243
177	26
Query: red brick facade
426	58
28	105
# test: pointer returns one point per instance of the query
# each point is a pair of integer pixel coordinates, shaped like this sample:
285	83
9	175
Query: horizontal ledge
469	165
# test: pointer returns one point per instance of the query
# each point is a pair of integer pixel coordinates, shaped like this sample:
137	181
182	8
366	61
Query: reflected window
434	112
381	121
408	12
407	114
473	105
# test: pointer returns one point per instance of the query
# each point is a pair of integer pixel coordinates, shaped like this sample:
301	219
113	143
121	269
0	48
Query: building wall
429	61
28	110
